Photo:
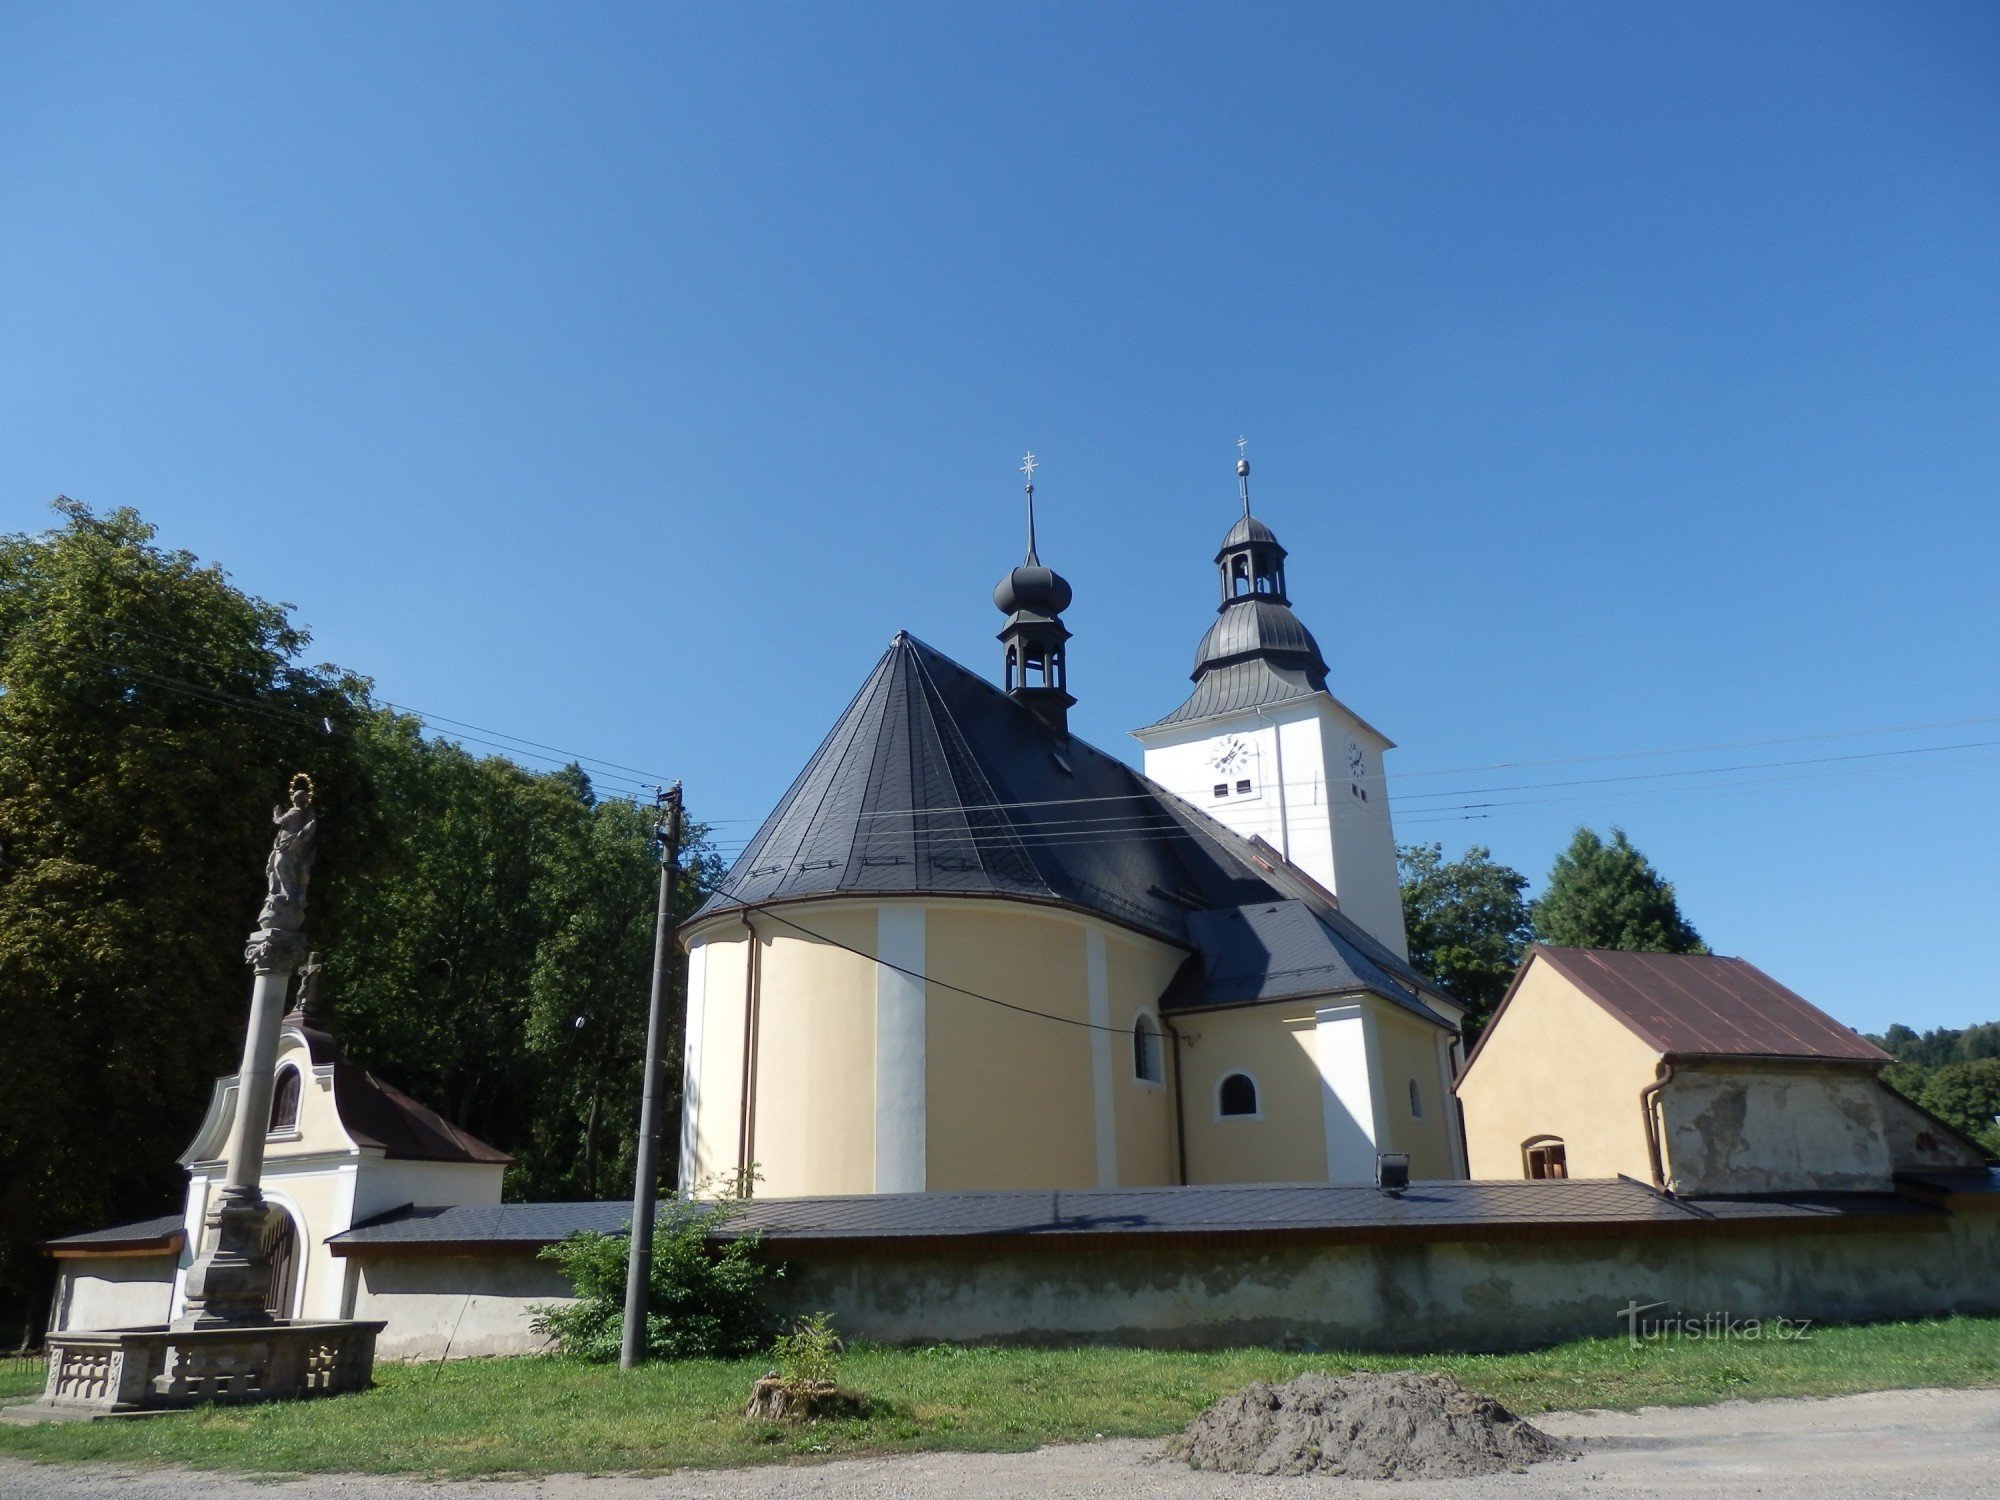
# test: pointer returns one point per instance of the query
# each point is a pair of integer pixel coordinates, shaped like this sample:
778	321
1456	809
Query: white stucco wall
125	1291
462	1304
1305	800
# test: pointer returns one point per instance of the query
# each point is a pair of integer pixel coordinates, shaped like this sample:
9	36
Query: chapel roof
934	781
380	1116
1703	1005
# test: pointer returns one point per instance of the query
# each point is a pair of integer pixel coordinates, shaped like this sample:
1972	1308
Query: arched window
1239	577
1147	1064
1542	1156
280	1243
1416	1101
1013	667
285	1101
1236	1097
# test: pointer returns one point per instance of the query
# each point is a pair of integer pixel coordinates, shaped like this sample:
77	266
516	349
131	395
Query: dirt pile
1400	1425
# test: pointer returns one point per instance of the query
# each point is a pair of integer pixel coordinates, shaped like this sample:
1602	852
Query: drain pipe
1649	1098
746	1129
1180	1113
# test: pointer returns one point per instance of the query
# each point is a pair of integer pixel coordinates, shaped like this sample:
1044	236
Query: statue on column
276	943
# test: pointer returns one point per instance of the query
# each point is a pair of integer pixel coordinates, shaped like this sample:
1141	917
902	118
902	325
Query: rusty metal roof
1706	1005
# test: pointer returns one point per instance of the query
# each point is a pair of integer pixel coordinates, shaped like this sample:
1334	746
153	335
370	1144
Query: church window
1543	1157
1147	1065
1416	1101
1222	789
285	1101
1242	787
1236	1097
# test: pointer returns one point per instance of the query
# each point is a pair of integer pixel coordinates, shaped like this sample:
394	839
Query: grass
535	1416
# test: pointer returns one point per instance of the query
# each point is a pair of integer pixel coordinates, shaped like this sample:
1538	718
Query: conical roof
934	781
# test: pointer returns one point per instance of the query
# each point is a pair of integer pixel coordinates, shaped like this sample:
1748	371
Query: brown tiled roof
1706	1005
380	1115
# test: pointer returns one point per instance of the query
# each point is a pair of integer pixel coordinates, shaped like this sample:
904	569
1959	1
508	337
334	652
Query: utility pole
639	1260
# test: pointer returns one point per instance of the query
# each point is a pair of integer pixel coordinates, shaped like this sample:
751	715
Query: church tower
1265	749
1034	639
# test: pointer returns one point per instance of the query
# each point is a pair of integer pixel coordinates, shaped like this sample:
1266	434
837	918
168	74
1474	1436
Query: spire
1243	473
1028	467
1034	638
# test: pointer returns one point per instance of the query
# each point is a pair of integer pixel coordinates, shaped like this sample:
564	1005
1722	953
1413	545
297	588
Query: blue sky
1621	378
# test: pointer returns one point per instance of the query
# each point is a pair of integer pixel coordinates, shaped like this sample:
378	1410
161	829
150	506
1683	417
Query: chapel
970	951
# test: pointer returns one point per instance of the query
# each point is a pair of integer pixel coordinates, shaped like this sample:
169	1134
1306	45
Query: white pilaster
899	1049
691	1038
1103	1100
1344	1046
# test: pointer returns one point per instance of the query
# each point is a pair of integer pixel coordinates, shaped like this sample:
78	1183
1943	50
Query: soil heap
1403	1424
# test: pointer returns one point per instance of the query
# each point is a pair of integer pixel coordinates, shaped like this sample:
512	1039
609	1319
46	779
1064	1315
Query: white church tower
1265	749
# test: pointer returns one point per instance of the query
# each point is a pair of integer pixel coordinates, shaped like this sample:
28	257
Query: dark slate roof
380	1115
1241	685
934	781
1706	1005
1247	529
163	1233
1425	1210
1263	629
1279	950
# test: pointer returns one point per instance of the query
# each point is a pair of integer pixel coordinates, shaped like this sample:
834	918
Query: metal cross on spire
1243	473
1028	467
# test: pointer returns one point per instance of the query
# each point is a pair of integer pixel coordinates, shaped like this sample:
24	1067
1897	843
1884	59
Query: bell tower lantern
1034	641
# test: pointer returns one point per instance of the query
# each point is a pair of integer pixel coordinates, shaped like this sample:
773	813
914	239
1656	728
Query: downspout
746	1130
1180	1114
1649	1097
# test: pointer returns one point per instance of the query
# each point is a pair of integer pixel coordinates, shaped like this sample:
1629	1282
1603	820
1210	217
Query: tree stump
773	1399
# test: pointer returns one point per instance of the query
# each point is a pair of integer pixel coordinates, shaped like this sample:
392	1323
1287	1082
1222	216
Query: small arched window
1236	1097
1147	1064
1543	1156
285	1101
1013	667
1416	1101
1239	577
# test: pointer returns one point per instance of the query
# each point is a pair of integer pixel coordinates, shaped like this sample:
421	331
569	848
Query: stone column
231	1278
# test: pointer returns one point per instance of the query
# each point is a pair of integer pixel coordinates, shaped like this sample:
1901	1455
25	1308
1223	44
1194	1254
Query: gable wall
1556	1064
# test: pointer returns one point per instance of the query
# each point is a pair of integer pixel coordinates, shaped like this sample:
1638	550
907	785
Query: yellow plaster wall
1556	1064
1274	1044
719	1073
1008	1097
1137	970
1407	1048
815	1079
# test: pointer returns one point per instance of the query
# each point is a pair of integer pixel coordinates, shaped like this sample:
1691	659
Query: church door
281	1248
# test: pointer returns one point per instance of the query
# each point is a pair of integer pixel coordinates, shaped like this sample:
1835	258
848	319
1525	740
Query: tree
151	714
1467	922
1967	1095
1603	895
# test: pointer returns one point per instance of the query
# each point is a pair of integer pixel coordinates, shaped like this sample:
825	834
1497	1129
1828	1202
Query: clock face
1357	763
1232	753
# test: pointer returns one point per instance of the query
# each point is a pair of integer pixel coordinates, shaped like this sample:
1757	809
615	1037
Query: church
970	951
1004	1040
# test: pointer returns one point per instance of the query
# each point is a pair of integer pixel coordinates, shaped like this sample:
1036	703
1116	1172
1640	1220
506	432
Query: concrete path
1884	1446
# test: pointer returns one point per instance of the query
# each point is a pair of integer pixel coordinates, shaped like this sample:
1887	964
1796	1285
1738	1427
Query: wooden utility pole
645	1178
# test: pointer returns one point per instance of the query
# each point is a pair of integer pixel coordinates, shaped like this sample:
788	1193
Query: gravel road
1883	1446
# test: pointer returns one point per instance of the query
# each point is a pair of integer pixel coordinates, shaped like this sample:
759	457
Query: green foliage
1467	921
1967	1095
1603	895
151	715
706	1296
809	1355
1954	1074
